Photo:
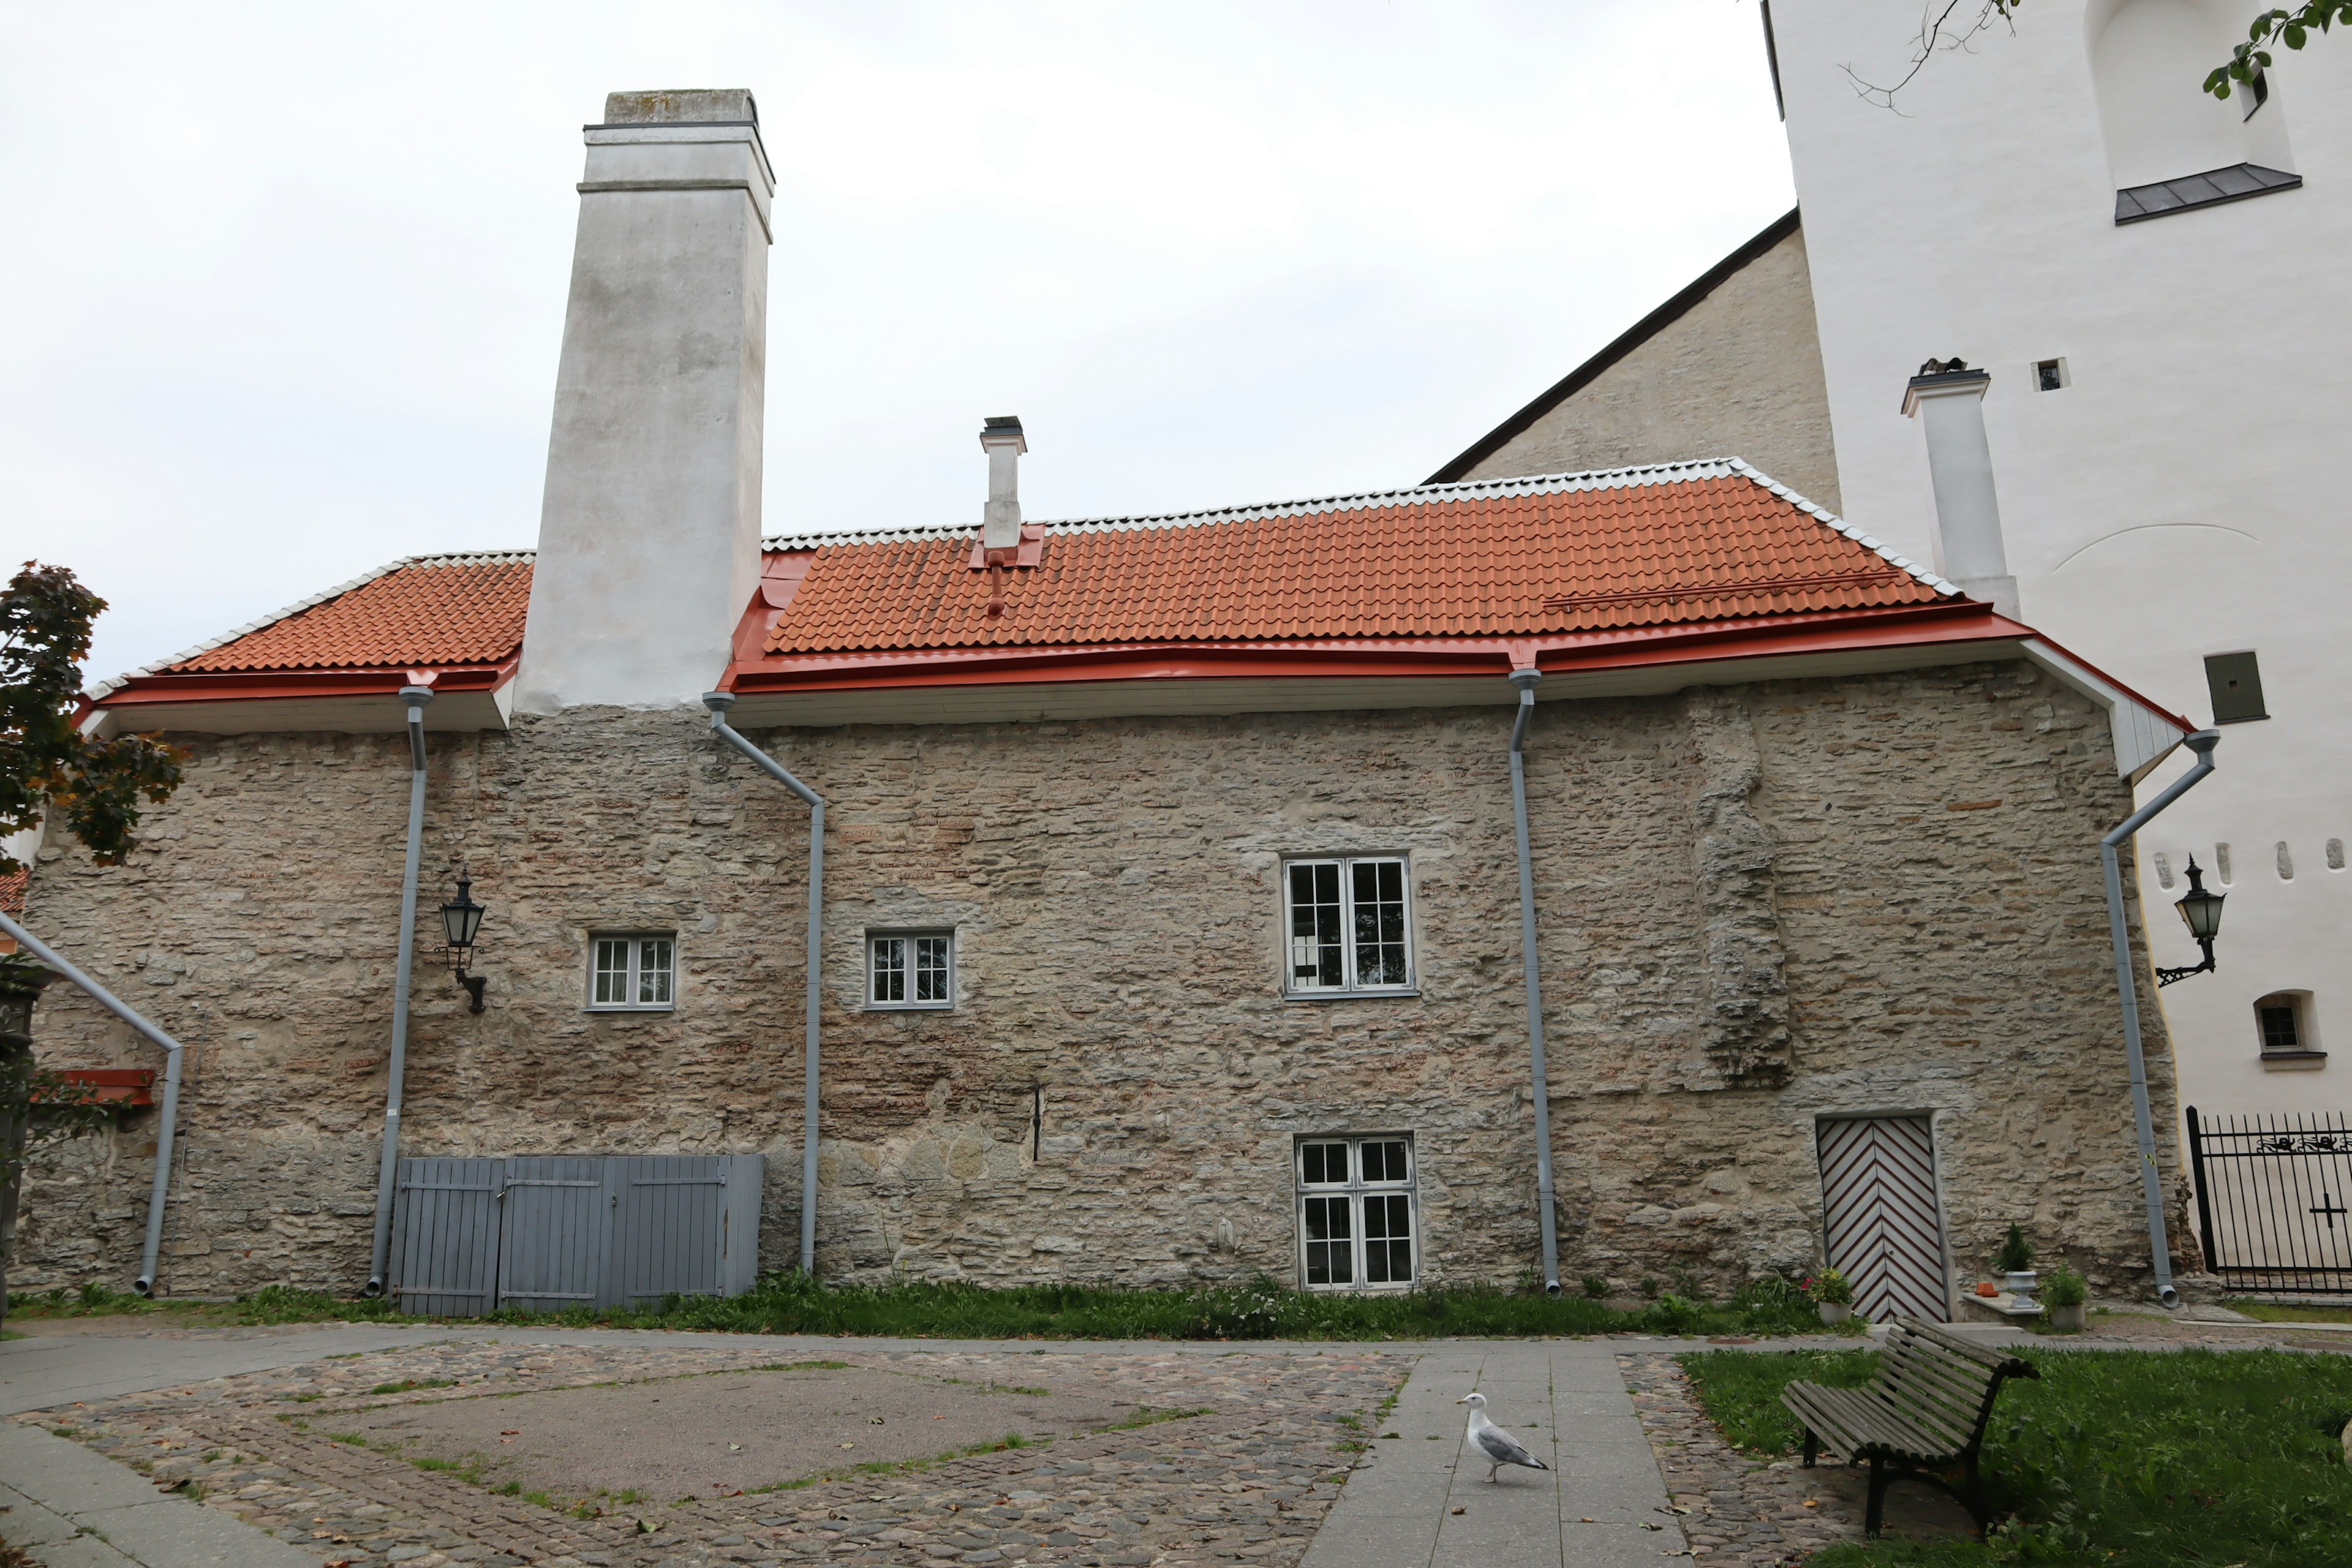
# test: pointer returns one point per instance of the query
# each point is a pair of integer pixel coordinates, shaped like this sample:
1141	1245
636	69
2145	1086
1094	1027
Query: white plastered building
2150	277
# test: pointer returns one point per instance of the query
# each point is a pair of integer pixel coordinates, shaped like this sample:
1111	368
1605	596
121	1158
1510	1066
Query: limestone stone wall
1738	374
1759	905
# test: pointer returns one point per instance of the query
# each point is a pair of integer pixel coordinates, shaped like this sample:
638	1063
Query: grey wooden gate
445	1253
1881	1222
545	1232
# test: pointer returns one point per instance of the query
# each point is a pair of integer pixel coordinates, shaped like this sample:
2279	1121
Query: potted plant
1831	1294
2068	1295
2015	1261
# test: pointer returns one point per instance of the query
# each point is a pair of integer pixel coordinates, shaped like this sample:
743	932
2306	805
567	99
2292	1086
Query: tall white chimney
649	535
1948	398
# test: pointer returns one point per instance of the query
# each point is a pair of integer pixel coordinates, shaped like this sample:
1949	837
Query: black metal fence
2275	1199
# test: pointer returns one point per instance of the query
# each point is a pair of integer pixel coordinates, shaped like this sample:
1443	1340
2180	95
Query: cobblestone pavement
1247	1481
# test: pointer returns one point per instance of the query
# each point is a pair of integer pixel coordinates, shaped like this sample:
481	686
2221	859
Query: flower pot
2021	1283
1833	1312
2077	1316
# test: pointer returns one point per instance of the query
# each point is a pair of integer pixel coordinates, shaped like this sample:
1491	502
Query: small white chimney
1948	398
649	535
1000	524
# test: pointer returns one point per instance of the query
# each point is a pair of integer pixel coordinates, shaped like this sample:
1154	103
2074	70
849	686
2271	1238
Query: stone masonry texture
1759	905
1736	375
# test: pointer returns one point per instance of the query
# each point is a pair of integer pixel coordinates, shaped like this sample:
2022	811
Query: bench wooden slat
1962	1383
1859	1424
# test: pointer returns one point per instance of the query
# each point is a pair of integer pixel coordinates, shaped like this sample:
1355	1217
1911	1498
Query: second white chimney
1000	524
1948	398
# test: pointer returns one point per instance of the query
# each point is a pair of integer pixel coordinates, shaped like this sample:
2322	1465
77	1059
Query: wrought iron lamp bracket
2166	976
459	960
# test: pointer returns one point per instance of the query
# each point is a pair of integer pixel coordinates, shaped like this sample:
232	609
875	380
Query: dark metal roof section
1641	332
2211	188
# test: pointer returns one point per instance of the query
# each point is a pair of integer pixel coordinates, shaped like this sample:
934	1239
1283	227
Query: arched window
2284	1025
2148	60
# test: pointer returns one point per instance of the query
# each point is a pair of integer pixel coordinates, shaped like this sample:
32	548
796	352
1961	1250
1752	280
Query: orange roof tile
1675	545
11	893
426	611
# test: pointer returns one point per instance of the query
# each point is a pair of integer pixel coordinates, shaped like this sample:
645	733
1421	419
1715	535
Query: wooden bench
1923	1414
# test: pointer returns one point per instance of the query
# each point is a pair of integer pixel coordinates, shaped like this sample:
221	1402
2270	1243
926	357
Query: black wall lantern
461	917
2201	912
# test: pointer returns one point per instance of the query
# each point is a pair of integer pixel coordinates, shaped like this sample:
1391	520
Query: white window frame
635	971
1351	1196
1295	986
909	955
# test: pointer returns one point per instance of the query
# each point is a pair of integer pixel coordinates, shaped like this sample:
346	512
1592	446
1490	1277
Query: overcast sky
285	284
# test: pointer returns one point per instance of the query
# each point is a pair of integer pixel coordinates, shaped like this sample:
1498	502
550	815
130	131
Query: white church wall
2177	495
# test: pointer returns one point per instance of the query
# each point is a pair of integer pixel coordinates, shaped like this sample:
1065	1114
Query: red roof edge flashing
250	686
1950	621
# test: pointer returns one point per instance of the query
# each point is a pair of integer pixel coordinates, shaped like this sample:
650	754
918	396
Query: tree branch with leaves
2293	28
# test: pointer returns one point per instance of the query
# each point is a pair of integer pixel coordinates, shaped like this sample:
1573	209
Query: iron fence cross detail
2328	1205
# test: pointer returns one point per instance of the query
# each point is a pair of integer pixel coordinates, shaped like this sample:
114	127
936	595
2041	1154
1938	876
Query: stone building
1172	887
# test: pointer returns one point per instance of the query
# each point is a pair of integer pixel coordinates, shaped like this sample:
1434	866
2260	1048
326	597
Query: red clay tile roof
1675	545
11	893
429	612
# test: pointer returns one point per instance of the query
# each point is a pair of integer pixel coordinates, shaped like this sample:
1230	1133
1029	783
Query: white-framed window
1355	1225
1346	926
910	968
633	973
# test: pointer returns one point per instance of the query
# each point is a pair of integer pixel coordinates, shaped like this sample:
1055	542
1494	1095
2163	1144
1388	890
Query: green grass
2191	1458
790	1303
2280	1312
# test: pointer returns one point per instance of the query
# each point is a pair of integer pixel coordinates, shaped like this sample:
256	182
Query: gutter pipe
416	697
1526	679
2151	1184
145	1283
719	702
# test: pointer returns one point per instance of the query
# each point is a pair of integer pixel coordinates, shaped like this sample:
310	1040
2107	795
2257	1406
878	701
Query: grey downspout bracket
1540	1077
719	702
145	1283
416	697
2151	1180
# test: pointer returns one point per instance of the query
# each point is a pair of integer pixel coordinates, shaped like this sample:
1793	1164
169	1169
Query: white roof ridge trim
450	558
1741	464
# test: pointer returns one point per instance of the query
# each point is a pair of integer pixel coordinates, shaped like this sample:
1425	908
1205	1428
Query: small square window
910	968
1348	926
635	973
2280	1028
1356	1224
2049	375
2234	681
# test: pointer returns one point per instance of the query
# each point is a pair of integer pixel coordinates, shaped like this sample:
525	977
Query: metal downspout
1524	679
2151	1183
416	697
145	1283
719	702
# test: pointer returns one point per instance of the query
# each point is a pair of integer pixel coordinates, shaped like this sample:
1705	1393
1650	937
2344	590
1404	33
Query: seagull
1498	1446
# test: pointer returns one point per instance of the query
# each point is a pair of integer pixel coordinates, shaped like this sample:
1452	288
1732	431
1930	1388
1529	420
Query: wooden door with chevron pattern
1883	1228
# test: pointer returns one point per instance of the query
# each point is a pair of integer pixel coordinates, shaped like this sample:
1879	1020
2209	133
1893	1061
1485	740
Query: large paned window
1348	925
632	973
1355	1213
910	968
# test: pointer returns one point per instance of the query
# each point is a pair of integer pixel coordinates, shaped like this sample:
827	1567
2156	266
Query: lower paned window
913	970
1355	1213
633	973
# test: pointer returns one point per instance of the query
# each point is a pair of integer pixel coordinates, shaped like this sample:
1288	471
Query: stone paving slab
81	1509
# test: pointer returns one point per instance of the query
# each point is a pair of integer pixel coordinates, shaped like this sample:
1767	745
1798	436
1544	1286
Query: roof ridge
1675	472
